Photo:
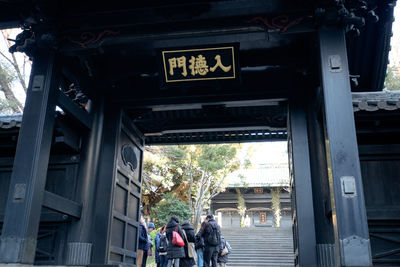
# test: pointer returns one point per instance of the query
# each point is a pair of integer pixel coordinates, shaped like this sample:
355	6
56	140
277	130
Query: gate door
119	192
127	189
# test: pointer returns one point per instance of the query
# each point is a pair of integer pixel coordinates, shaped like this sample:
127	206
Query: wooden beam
378	149
62	205
73	109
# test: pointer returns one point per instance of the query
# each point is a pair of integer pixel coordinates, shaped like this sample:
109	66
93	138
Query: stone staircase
260	246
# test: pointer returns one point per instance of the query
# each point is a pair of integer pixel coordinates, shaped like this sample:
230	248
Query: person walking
150	236
174	252
143	244
199	245
188	260
161	245
212	239
224	250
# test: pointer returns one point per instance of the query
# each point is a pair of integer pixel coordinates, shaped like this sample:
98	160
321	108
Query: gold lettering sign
199	64
258	190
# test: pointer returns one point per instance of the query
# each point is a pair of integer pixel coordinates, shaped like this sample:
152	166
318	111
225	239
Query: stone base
78	254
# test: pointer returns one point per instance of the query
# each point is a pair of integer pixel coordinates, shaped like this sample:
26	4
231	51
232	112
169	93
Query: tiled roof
10	121
274	175
376	101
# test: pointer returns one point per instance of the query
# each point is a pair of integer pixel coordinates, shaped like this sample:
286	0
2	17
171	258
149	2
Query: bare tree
6	79
12	68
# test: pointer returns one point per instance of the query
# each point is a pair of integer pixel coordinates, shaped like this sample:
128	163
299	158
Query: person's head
203	224
151	227
209	217
175	218
141	218
163	229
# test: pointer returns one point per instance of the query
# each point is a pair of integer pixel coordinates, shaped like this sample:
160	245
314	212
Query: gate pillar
301	194
24	203
347	196
79	247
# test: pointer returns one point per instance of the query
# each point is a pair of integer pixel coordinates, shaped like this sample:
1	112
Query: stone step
261	252
265	249
261	263
264	264
261	247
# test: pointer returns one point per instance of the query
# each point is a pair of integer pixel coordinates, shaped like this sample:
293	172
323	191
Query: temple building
255	186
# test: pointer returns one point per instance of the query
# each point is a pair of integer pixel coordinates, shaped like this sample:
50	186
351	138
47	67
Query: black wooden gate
124	233
120	185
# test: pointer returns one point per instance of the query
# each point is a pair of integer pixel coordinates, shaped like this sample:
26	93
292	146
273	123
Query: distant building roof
274	175
10	121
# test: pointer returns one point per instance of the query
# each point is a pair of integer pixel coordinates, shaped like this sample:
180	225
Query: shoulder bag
191	247
177	239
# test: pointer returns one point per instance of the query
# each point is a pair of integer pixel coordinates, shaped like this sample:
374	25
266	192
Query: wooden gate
120	185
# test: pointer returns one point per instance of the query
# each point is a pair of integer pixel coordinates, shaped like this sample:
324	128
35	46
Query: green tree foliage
392	81
170	205
195	173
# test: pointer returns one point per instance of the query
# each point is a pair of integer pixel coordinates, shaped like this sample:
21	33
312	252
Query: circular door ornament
129	157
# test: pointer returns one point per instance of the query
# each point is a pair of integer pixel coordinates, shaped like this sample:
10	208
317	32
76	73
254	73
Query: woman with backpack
174	252
199	245
161	244
190	254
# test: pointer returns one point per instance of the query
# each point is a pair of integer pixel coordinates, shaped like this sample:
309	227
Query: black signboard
199	64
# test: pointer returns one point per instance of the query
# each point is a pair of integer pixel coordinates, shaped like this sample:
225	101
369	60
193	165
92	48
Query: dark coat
199	241
189	232
186	261
143	240
208	229
173	251
157	244
221	248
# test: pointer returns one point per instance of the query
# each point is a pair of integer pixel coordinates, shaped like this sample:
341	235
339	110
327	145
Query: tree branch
10	96
214	193
9	60
18	71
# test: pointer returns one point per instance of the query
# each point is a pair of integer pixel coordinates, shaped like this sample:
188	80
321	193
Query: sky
266	152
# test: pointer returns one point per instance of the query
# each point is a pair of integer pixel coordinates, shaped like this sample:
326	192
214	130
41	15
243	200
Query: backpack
163	244
214	237
227	249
